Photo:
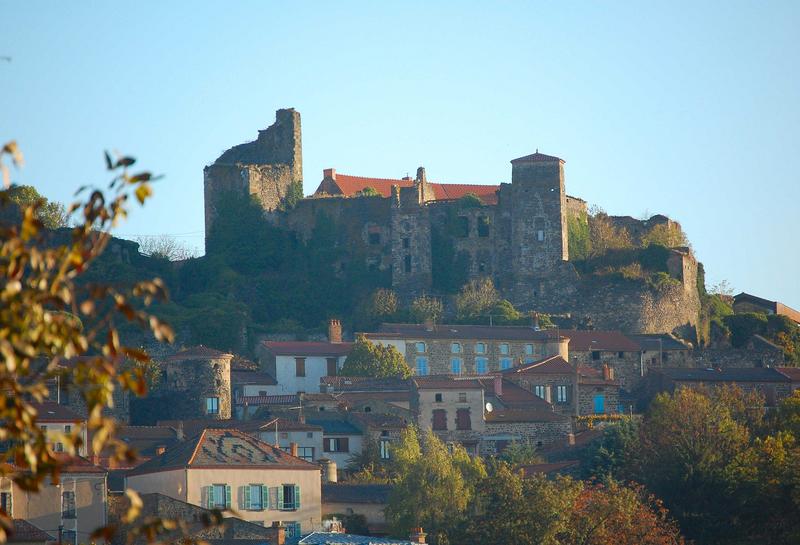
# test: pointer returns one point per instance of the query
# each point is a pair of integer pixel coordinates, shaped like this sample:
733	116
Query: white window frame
455	348
480	348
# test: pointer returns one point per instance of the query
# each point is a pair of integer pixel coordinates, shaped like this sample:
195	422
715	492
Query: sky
689	109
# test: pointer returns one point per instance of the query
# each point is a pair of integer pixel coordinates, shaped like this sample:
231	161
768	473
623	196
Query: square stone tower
538	216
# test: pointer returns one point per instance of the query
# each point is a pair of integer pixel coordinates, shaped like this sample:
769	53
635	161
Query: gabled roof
25	532
447	382
78	464
50	411
730	374
252	377
147	439
588	340
451	192
334	427
791	372
551	365
223	448
199	352
589	375
286	399
356	493
463	332
304	348
537	158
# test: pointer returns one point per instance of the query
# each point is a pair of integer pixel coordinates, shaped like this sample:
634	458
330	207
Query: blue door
599	404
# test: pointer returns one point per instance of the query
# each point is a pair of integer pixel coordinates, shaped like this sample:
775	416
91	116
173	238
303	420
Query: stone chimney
428	324
277	533
329	173
417	536
329	470
608	372
334	331
293	449
498	385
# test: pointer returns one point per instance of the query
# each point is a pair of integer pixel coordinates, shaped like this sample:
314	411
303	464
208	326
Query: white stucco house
298	366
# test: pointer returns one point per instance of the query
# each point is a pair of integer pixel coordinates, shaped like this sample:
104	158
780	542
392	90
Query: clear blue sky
688	109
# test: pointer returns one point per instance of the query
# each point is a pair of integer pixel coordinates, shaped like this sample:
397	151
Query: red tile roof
288	399
537	158
590	375
78	464
791	372
351	185
549	365
447	382
199	352
302	348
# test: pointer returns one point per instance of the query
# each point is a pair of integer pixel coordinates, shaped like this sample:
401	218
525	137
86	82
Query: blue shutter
247	502
227	496
297	496
264	497
280	498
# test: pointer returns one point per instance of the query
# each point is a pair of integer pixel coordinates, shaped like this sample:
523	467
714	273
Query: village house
229	469
663	350
745	302
23	531
75	506
552	379
57	421
438	349
794	375
364	500
599	392
198	383
596	349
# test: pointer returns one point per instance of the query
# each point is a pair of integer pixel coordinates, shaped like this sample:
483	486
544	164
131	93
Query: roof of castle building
199	352
352	185
537	158
228	448
306	348
461	332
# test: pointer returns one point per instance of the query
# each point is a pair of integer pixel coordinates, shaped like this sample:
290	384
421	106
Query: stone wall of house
737	357
587	393
538	434
627	369
551	382
190	381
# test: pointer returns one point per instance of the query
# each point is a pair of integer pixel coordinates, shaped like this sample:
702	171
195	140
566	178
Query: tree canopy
369	359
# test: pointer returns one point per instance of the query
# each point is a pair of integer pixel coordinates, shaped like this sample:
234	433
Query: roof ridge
197	446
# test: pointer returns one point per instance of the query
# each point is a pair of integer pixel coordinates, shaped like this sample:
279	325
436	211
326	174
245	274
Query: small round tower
200	380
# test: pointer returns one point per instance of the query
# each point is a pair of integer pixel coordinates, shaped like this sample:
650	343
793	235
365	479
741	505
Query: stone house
552	379
77	504
59	420
440	349
663	350
23	531
744	302
230	470
341	440
198	382
539	428
771	383
594	348
452	408
366	500
598	391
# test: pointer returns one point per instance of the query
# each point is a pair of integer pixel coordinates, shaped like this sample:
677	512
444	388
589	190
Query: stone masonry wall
538	434
190	382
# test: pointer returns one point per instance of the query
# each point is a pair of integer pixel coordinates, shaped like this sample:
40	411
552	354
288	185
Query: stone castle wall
190	381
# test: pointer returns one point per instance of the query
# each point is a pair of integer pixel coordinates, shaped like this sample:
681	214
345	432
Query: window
483	226
455	348
422	366
212	405
374	238
463	421
505	363
455	366
595	355
43	428
67	429
406	243
480	348
292	529
539	391
5	503
540	235
438	398
289	498
218	496
68	504
310	434
407	263
561	394
299	367
420	348
256	497
439	420
332	367
504	348
384	444
336	444
620	355
481	365
284	435
462	397
58	447
529	349
69	537
462	227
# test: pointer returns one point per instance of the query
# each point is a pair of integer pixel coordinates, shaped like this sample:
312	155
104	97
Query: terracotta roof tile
449	192
288	399
791	372
303	348
351	185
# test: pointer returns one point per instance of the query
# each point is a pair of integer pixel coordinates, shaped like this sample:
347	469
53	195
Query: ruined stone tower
538	218
265	168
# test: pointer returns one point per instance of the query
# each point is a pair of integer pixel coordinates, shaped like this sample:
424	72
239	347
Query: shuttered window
463	420
439	419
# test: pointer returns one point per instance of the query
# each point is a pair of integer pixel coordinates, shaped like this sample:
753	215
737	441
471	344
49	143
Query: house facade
230	470
299	366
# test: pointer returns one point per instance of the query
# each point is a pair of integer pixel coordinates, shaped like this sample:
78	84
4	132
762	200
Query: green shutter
280	498
297	496
247	496
209	496
227	496
264	497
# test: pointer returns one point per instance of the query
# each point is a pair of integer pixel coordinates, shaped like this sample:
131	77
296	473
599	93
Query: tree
165	247
424	308
476	298
53	215
613	455
434	485
379	306
375	360
604	235
368	192
665	234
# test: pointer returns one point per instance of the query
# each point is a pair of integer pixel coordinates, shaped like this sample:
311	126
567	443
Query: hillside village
512	315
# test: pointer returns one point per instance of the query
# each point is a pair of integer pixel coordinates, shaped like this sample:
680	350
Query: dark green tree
374	360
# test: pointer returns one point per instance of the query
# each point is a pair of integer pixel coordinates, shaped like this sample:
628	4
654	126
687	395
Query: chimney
334	331
571	439
417	536
293	449
329	173
421	178
277	533
428	324
535	320
498	385
329	471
